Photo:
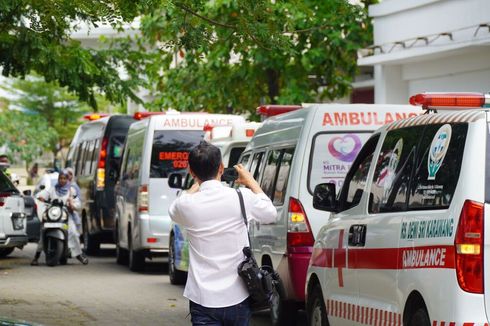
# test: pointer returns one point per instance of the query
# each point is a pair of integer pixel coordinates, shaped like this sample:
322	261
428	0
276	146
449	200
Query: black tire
53	249
282	312
63	260
419	318
90	243
4	252
122	256
136	258
176	277
316	311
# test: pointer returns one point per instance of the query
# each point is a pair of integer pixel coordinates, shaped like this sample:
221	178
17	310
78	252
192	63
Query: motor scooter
54	232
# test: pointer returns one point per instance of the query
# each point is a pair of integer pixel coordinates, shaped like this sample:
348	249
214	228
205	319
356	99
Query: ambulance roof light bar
448	101
272	110
95	116
143	115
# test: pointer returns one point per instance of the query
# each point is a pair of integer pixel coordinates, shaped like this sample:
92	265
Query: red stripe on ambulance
384	258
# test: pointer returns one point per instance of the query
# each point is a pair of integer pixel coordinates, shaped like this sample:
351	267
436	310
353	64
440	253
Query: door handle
357	235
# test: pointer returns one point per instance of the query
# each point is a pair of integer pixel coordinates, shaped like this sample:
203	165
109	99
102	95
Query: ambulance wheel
4	252
420	318
317	314
282	312
176	277
136	258
122	256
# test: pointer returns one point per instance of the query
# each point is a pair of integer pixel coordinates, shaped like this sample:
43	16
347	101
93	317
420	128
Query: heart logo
345	148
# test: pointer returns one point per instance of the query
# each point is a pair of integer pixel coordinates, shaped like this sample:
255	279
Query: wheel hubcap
316	316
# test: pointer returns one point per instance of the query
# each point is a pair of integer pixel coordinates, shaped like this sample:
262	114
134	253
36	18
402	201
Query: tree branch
213	22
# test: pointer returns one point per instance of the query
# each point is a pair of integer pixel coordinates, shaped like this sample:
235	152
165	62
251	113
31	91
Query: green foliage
225	55
51	111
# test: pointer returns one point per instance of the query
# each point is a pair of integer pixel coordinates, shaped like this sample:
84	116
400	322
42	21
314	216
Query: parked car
405	241
289	155
157	146
12	217
95	155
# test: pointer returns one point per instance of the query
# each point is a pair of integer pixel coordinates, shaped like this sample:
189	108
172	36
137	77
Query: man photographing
216	232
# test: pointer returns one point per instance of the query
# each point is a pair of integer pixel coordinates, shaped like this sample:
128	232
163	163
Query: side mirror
324	197
229	175
27	192
175	180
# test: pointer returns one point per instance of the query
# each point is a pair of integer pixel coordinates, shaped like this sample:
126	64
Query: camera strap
244	213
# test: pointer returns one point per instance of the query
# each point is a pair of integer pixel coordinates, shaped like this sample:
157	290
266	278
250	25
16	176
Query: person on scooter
65	192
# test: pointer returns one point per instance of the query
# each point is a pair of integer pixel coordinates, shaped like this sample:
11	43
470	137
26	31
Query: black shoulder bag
260	281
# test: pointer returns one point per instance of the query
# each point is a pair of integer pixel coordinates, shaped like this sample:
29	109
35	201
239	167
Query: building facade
428	46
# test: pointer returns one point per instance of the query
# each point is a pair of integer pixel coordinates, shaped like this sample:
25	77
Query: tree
35	37
24	134
227	55
50	111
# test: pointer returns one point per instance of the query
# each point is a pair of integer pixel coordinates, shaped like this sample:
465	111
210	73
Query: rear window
332	156
170	151
6	185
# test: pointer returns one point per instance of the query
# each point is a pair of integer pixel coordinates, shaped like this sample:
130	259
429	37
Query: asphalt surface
100	293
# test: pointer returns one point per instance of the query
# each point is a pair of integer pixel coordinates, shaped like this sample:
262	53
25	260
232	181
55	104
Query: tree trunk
273	83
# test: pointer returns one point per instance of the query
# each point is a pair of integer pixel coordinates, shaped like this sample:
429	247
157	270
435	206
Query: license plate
55	226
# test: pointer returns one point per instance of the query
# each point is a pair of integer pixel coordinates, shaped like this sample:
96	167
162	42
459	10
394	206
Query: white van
406	242
231	140
156	146
289	155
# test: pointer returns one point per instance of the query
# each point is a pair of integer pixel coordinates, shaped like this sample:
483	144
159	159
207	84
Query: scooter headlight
54	213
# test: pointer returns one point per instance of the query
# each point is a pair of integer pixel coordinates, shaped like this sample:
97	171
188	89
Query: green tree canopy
232	55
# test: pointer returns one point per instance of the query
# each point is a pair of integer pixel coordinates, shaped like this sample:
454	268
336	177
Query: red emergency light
249	132
451	100
143	115
95	116
274	109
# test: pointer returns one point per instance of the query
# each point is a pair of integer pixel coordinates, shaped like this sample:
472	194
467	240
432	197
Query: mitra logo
345	148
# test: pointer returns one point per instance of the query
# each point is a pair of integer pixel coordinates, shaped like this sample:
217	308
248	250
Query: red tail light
143	199
299	230
3	199
469	247
101	165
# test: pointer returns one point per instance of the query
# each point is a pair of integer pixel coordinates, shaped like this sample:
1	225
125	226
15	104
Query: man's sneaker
82	259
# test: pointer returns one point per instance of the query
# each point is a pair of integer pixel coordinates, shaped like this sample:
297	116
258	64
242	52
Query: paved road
100	293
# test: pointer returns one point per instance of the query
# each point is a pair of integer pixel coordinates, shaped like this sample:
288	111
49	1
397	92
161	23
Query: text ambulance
156	146
405	243
289	155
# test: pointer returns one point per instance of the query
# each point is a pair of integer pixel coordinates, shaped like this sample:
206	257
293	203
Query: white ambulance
289	155
156	146
406	242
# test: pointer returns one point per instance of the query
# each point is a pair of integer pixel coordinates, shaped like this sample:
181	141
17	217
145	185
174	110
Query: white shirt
217	234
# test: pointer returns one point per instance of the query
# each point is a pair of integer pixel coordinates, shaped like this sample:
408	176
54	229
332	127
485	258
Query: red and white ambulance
406	241
289	155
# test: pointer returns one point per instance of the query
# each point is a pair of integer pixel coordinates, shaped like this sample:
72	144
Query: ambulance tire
282	312
420	318
317	313
136	257
122	255
176	277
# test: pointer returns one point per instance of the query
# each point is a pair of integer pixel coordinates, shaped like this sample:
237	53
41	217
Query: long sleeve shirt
217	235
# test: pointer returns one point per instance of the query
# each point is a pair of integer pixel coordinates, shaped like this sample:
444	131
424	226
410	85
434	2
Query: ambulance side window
283	176
256	166
438	166
391	179
270	173
356	179
245	159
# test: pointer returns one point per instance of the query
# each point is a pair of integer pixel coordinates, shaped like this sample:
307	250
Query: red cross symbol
340	258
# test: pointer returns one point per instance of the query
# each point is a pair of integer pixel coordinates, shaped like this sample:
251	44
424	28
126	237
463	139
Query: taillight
469	247
102	164
3	199
299	230
143	199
